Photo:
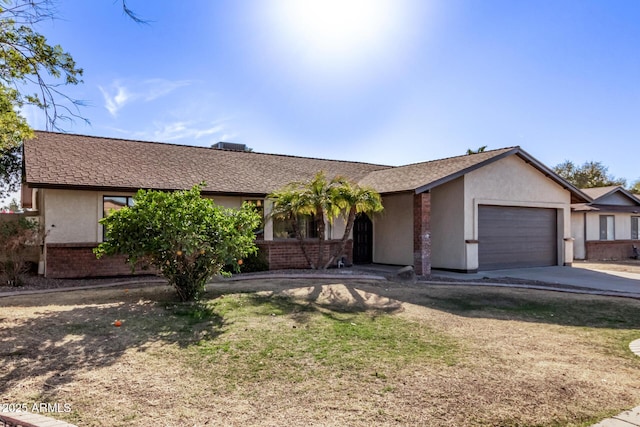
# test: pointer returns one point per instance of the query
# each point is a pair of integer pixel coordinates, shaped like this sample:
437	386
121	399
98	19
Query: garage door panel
512	237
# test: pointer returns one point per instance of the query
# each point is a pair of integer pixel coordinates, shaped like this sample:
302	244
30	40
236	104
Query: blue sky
381	81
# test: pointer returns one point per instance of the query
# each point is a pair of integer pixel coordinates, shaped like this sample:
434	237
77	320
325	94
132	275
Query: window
259	205
607	227
307	225
114	203
635	222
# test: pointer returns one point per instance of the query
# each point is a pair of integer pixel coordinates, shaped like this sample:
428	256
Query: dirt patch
629	266
33	282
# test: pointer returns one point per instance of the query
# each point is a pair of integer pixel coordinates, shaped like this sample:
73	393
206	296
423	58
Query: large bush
19	237
187	238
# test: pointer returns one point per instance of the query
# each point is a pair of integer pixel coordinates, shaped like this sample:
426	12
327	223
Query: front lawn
306	352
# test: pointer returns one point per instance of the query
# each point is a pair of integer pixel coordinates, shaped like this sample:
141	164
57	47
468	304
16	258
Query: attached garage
515	237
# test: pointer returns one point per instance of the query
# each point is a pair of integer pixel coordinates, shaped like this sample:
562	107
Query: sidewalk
628	418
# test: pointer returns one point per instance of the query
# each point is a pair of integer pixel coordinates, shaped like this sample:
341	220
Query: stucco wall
577	232
72	216
447	226
393	231
228	201
513	182
622	225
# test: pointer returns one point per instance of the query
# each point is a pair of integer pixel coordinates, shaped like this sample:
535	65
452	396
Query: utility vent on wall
229	146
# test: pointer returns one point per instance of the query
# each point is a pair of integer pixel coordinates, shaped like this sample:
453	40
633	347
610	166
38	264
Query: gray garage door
514	237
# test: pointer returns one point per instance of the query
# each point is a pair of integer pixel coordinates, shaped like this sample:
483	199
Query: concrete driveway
608	281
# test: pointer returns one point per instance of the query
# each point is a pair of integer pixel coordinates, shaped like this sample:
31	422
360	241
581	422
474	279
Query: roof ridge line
515	147
209	148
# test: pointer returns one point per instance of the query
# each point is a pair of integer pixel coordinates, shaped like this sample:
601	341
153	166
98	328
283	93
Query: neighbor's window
635	222
114	203
607	227
259	205
284	229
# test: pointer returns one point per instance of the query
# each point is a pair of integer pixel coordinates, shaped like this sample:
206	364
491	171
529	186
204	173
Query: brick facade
422	234
77	260
284	254
599	250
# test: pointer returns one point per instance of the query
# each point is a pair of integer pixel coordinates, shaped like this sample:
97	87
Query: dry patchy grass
306	352
628	265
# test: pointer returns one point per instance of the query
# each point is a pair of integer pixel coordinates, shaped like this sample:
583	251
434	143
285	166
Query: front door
362	240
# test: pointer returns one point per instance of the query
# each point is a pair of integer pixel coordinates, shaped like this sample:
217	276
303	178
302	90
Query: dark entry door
362	240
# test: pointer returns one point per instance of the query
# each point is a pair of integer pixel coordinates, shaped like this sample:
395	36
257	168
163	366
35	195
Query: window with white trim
607	227
635	223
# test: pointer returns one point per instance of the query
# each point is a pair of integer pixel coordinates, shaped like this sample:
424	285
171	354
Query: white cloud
118	95
115	102
36	118
179	131
184	130
156	88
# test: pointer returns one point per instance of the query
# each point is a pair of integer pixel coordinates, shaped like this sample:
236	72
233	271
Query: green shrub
187	238
251	263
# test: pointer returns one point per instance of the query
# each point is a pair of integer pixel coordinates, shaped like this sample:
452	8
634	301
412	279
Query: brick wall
77	260
610	249
285	254
422	234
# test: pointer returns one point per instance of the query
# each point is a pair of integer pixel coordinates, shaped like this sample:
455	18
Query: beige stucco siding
622	225
336	230
447	226
513	182
393	231
228	201
72	216
577	232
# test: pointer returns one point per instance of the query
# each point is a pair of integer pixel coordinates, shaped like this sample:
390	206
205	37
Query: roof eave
621	189
464	171
124	189
577	195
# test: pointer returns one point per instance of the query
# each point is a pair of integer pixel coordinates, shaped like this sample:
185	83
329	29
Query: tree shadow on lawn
539	306
57	345
528	305
61	342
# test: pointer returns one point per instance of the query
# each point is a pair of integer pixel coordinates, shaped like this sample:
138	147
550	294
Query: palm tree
354	200
479	150
323	200
288	206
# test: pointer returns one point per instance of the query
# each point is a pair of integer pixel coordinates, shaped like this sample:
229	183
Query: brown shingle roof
418	175
600	192
65	160
62	160
597	192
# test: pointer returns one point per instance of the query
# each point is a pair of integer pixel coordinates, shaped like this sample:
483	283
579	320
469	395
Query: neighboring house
607	227
495	209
